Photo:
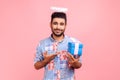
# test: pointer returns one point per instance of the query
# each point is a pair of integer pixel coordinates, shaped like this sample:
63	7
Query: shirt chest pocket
49	49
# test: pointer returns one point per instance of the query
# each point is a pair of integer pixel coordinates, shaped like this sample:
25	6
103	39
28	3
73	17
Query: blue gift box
75	48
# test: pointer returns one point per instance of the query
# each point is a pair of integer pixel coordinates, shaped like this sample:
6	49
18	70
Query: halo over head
59	9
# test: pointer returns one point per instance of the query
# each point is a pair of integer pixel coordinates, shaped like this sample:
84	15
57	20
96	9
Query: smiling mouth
58	30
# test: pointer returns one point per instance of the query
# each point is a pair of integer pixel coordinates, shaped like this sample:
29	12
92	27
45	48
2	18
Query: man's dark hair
59	15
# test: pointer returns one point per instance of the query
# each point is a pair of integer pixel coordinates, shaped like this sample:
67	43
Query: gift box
75	48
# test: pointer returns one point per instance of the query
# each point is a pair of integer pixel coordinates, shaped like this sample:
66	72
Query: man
52	52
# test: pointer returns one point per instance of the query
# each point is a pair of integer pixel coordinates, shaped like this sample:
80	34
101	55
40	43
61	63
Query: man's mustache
58	29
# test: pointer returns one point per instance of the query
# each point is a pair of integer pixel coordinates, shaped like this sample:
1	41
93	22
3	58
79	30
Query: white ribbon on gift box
76	48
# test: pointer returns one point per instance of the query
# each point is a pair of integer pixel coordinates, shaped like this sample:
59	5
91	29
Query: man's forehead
59	19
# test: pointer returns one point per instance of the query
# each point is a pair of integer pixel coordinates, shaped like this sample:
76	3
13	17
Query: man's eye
55	23
61	24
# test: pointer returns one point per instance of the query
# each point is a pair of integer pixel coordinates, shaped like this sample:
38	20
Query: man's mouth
58	30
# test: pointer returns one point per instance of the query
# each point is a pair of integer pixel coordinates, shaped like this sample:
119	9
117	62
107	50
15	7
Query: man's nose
58	26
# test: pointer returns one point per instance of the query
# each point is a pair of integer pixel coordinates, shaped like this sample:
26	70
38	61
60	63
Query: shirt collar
53	40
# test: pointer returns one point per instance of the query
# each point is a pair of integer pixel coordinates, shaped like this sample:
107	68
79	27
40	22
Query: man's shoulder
45	40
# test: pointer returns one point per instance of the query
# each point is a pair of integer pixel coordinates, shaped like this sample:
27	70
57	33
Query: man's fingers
55	54
70	56
78	58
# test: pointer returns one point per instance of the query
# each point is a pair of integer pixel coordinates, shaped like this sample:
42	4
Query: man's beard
58	35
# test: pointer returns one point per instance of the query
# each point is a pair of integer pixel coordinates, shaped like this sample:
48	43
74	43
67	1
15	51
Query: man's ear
50	24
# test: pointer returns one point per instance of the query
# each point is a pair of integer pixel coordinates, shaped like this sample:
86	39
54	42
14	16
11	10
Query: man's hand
49	57
74	62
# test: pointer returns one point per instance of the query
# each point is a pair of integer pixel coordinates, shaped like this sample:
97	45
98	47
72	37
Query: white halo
59	9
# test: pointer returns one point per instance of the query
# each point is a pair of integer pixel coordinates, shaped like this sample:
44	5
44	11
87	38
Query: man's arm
40	64
47	58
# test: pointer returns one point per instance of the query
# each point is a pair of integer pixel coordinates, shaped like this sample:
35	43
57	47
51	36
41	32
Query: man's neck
58	39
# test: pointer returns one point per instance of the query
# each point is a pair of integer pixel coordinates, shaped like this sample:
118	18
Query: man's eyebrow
55	22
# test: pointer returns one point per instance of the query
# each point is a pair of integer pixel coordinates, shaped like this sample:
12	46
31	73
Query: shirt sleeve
39	53
80	59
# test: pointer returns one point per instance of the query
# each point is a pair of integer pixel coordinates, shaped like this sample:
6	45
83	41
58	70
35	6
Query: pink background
94	22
